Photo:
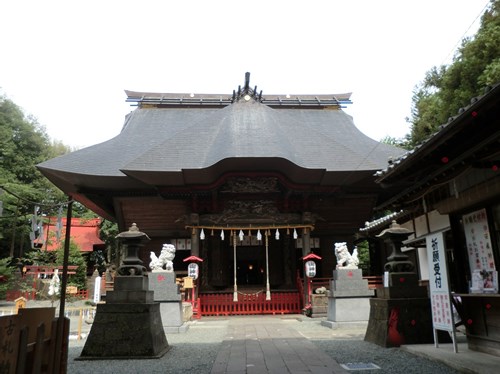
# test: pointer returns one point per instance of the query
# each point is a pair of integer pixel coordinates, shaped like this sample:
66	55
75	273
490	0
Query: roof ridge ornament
246	93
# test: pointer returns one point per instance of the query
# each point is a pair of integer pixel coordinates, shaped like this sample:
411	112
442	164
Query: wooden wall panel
154	214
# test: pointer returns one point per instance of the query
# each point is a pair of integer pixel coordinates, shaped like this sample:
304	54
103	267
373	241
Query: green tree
6	276
398	142
75	258
446	89
363	256
108	231
23	144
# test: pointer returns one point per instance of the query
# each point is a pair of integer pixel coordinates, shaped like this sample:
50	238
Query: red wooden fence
222	304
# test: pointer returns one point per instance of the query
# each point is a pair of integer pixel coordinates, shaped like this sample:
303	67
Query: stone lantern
400	313
129	324
403	280
132	241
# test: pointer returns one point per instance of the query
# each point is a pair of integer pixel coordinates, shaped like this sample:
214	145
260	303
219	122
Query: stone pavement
267	346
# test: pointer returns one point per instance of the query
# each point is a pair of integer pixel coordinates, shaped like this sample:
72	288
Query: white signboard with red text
478	239
442	313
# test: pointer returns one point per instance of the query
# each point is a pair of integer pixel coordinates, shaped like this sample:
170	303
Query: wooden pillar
306	249
195	235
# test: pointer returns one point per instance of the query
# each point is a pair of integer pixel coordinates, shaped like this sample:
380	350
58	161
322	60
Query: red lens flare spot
413	322
488	306
474	114
494	168
444	160
469	321
401	279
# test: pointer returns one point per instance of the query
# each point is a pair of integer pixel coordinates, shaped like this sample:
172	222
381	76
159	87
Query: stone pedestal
401	313
348	299
128	326
319	304
167	294
394	322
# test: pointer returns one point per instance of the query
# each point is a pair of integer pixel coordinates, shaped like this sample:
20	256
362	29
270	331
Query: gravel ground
347	345
390	360
191	352
195	351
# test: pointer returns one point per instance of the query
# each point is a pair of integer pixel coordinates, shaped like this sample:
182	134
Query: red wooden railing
222	304
374	281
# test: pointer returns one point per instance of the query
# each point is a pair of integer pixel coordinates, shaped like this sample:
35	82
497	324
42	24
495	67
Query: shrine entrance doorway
251	266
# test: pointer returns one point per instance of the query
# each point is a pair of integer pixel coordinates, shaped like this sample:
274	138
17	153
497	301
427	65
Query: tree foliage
23	144
446	89
75	258
364	256
6	276
107	232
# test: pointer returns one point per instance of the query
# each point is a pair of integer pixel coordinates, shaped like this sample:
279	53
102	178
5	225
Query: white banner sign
442	317
97	290
477	237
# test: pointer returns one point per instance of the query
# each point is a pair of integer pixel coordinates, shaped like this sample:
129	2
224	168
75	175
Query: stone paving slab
270	346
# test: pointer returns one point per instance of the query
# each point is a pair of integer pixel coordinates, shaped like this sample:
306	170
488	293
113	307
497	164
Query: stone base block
172	318
347	274
132	297
130	283
402	292
187	311
176	330
125	331
394	322
359	292
349	309
319	303
164	286
347	325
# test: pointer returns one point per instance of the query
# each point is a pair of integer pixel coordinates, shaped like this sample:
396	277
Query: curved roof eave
71	182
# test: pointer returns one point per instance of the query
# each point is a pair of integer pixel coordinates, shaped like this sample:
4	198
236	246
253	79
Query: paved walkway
264	344
270	347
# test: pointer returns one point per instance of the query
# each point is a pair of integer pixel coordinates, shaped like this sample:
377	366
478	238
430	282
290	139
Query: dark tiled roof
170	138
176	139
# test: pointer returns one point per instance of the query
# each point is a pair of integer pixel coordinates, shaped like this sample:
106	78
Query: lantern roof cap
395	228
311	256
193	258
133	232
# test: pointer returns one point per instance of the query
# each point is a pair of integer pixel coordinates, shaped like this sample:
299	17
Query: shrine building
248	182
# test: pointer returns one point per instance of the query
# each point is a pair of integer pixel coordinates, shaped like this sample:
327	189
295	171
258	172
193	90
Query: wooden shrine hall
248	182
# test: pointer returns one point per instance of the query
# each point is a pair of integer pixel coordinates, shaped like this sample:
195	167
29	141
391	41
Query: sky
68	63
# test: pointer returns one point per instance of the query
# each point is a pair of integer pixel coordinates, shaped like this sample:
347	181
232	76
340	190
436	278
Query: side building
450	185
